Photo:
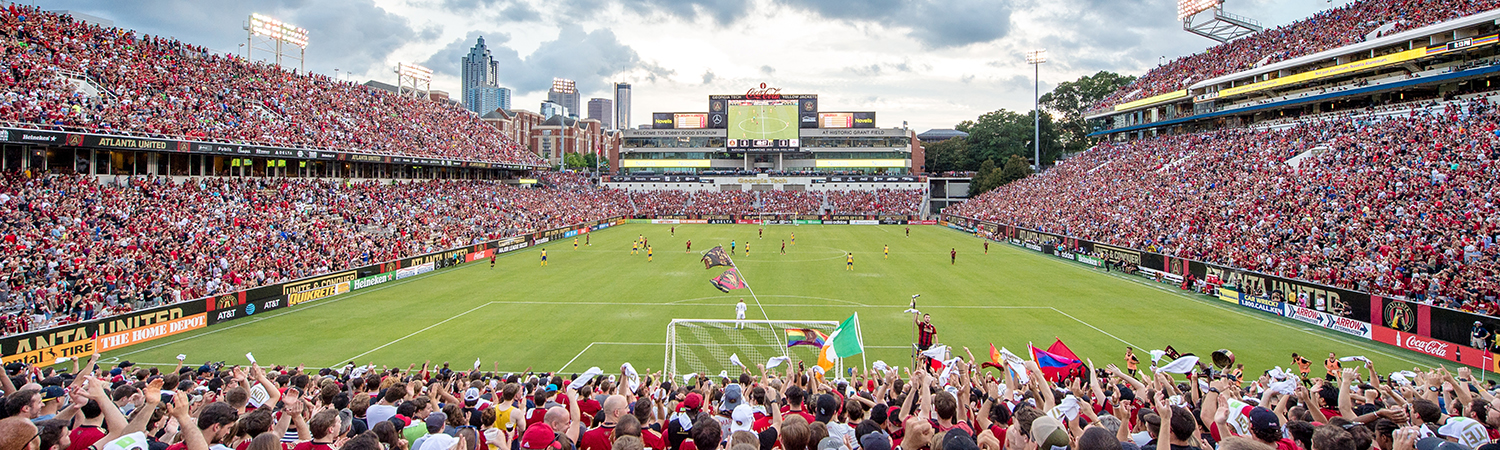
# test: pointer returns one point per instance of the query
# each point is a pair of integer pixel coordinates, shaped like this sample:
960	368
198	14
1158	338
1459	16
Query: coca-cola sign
1429	346
763	93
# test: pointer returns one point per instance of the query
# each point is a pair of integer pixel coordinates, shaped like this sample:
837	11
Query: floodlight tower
272	34
1036	58
1207	18
420	80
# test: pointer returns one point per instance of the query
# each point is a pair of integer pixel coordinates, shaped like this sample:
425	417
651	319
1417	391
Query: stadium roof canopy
940	134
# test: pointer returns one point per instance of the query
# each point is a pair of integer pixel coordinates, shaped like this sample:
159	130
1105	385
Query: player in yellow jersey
544	257
649	254
747	248
635	247
887	251
794	238
849	261
575	243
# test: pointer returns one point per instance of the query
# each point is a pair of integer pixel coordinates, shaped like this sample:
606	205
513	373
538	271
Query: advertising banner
47	356
145	325
1261	303
1325	320
864	222
249	309
1461	354
407	272
306	290
373	280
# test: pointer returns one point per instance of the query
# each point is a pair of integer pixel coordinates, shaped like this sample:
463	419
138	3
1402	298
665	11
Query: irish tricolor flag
842	343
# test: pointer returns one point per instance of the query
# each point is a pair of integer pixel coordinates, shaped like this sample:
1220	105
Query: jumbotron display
763	124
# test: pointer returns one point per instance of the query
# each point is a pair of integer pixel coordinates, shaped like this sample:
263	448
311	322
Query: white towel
1180	365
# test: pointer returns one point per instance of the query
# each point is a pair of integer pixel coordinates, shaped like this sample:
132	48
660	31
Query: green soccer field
763	122
601	306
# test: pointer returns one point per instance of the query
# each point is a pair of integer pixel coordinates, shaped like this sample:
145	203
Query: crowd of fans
73	248
676	202
1394	205
1336	27
162	87
1177	406
879	201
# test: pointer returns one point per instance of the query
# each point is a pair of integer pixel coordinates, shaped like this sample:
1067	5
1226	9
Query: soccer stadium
1285	241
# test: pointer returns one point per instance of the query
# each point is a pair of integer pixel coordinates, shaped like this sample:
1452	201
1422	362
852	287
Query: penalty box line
663	344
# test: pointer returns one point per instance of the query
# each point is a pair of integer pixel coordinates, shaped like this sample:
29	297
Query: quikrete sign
316	288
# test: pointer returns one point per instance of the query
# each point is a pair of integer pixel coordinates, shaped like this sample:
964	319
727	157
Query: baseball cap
827	406
50	393
1437	443
437	420
124	364
742	418
471	395
1461	427
693	401
733	397
875	441
959	441
831	443
539	436
1047	432
1263	419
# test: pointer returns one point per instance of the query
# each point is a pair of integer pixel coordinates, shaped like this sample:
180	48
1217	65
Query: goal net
703	346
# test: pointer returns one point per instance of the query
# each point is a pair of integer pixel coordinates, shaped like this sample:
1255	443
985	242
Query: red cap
539	437
693	401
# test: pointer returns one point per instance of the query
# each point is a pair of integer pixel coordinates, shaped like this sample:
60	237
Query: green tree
984	179
574	161
1072	99
1000	134
948	156
1015	168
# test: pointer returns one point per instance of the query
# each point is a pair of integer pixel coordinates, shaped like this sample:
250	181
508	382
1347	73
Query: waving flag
729	280
995	360
805	336
843	343
1054	366
716	257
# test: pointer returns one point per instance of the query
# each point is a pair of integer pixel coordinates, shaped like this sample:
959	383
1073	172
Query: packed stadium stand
159	87
1349	24
1397	203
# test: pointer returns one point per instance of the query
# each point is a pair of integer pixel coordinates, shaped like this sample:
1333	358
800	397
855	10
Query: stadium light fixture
420	79
274	31
1036	58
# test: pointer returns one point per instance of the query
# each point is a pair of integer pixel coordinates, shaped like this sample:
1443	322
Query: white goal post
703	346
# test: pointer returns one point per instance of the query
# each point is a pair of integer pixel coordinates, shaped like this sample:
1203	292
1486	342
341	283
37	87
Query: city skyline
929	63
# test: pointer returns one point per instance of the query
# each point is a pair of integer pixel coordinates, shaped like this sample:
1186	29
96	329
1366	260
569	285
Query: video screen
763	124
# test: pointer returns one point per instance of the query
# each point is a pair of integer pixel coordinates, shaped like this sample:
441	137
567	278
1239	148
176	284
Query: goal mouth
704	346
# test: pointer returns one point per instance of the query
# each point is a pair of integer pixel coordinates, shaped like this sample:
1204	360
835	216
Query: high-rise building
478	71
622	105
485	99
564	92
602	110
550	108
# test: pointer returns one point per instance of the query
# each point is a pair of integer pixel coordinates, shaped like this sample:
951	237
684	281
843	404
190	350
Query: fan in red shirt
602	437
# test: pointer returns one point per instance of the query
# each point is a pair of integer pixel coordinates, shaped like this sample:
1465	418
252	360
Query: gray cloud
589	58
352	35
708	77
767	70
934	23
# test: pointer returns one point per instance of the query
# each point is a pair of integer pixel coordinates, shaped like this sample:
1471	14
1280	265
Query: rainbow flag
805	336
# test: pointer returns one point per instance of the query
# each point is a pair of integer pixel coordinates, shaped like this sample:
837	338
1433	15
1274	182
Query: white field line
414	333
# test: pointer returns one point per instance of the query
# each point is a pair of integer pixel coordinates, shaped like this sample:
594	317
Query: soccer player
731	246
888	251
762	232
986	246
747	249
1303	366
794	238
783	246
674	231
952	256
588	240
544	257
649	255
575	243
849	261
1131	362
689	246
492	261
739	314
908	231
635	247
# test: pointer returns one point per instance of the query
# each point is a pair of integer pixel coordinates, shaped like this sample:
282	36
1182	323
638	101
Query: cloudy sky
931	63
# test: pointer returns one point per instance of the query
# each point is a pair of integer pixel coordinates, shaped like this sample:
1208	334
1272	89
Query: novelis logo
1399	316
